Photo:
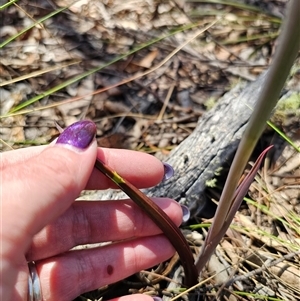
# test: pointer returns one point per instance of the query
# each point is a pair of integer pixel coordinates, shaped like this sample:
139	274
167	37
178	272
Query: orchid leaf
244	187
213	239
160	218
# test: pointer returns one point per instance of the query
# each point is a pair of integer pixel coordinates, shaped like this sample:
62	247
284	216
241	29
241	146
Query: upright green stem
288	46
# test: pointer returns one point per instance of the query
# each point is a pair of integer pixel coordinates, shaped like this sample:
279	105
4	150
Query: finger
93	222
21	155
136	297
38	190
141	169
94	268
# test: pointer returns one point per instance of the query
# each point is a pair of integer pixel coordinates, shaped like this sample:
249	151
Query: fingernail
157	298
169	171
79	134
185	213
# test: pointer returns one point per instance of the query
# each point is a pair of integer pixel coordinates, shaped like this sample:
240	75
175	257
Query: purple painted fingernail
185	213
79	134
157	298
169	171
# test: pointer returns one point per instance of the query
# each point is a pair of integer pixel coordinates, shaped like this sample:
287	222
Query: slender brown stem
160	218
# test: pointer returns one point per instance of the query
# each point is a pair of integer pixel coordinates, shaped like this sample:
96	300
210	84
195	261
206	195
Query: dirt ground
145	72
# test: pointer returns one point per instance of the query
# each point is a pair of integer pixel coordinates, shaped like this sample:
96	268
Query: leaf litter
259	257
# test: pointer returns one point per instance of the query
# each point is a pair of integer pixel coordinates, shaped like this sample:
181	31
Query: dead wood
200	157
205	151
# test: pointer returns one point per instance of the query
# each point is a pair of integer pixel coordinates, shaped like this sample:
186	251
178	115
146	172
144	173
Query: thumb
38	190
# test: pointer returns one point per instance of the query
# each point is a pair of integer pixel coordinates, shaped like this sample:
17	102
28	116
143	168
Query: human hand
41	222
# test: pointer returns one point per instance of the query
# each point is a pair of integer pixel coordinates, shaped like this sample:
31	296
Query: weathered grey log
212	143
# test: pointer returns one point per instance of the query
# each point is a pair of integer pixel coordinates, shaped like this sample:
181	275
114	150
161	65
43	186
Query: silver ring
34	285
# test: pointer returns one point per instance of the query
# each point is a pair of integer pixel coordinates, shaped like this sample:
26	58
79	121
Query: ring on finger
34	284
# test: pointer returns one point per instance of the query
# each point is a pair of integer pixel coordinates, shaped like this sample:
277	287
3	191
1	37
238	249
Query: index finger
140	169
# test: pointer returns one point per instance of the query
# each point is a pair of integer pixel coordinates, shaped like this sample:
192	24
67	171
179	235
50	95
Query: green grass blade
269	36
257	296
2	7
235	4
89	72
31	26
285	137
